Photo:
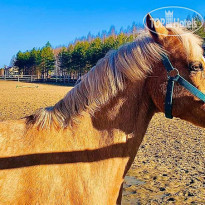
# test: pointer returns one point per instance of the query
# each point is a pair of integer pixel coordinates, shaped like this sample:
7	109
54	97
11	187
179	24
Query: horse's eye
195	66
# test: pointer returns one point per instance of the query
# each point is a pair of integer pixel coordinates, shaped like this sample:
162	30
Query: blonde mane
132	61
191	42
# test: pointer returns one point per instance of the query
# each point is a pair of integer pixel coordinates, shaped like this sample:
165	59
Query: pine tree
47	61
94	52
79	57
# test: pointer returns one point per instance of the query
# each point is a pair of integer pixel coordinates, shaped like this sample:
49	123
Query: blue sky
26	24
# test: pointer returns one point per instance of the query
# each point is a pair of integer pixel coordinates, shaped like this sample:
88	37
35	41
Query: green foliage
64	58
78	57
94	52
83	55
20	62
47	60
35	61
48	44
201	31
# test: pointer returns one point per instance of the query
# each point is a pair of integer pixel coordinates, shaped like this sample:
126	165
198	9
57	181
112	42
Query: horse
79	150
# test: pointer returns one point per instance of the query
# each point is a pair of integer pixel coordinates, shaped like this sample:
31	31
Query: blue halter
173	76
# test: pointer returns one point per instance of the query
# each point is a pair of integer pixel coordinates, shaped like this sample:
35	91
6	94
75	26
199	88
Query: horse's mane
132	61
191	42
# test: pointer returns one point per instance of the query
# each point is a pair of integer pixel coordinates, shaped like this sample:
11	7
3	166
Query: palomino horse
78	151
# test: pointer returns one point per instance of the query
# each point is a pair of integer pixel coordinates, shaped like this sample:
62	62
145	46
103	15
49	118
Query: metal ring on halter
174	74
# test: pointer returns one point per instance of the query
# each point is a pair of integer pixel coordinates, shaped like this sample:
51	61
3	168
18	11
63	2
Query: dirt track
169	167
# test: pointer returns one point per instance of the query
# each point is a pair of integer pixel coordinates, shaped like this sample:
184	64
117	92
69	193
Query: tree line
36	61
83	55
78	57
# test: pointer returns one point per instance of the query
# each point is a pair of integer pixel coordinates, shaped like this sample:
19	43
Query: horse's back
11	180
52	167
28	173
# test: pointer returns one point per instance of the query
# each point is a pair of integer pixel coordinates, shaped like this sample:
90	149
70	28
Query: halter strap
170	86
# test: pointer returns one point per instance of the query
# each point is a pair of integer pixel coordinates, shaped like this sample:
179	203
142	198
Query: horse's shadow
82	156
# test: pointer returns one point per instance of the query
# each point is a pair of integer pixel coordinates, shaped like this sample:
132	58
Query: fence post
31	78
64	79
18	78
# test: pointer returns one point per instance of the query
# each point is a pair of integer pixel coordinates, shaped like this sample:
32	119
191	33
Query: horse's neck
129	112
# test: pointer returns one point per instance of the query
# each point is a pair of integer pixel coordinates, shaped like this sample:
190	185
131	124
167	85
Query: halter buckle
174	74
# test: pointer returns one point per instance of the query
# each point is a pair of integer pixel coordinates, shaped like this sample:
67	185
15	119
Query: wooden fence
24	78
34	78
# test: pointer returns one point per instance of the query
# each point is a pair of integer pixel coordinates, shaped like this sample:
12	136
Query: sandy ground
169	167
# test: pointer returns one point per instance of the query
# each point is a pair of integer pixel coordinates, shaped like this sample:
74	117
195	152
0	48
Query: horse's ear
156	29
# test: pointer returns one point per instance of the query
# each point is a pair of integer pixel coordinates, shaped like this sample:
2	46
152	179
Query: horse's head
185	53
